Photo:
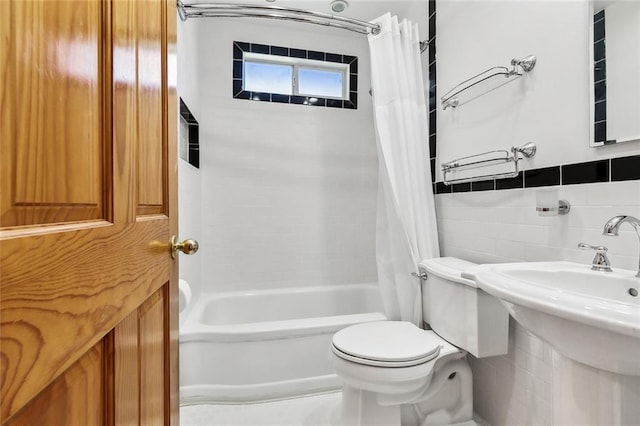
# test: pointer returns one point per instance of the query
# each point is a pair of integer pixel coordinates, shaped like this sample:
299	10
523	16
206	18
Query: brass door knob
186	246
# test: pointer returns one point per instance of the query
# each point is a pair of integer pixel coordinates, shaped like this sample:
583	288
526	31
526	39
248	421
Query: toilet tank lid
450	268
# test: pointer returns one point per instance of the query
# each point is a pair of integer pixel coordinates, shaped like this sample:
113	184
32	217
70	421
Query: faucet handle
598	249
600	261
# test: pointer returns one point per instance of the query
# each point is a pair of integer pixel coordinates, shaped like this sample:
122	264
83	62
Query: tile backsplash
503	226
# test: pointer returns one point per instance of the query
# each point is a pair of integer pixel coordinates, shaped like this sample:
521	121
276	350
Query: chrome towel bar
485	81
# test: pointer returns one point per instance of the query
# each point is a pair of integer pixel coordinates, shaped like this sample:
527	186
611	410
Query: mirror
615	72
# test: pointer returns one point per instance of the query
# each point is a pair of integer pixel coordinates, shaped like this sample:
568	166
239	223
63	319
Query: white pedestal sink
592	320
588	316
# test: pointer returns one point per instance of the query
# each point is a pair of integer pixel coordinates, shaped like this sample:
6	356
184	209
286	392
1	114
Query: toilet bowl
395	373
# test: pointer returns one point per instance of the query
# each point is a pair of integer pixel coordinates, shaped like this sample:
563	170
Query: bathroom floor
315	410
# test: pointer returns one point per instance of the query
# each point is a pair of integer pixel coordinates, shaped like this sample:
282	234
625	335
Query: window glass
320	83
268	77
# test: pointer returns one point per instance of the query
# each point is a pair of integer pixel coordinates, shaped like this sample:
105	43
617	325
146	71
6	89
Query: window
322	82
268	77
295	76
280	74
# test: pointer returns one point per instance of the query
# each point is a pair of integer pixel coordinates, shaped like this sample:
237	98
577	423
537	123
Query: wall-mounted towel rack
491	158
486	81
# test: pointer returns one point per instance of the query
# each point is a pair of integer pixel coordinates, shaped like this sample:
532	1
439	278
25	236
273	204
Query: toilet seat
386	344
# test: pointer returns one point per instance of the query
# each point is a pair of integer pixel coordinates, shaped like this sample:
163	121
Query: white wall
550	106
288	193
189	178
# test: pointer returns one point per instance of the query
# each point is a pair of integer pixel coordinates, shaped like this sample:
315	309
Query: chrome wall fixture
485	81
491	158
548	202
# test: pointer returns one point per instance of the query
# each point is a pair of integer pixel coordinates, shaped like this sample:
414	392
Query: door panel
126	370
83	381
53	136
139	341
152	340
151	155
53	313
88	289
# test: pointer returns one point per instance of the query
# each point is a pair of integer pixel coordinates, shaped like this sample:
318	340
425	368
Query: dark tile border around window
240	47
193	137
609	170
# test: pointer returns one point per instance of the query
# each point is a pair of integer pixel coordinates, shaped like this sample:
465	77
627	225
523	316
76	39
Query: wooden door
88	290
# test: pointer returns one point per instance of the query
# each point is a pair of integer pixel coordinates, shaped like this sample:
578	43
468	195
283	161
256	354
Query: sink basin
588	316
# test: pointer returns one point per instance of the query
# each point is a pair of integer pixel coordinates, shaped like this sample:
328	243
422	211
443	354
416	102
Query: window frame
240	48
297	64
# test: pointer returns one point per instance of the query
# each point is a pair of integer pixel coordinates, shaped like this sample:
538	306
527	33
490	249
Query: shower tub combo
269	344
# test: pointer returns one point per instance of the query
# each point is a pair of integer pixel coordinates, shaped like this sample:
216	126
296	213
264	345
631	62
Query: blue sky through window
320	83
269	78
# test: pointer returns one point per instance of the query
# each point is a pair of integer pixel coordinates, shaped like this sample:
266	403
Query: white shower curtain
406	228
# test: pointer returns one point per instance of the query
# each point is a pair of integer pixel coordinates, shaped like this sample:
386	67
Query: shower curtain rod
232	10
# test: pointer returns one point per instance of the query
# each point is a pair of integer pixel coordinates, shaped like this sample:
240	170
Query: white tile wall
502	226
189	178
288	192
515	389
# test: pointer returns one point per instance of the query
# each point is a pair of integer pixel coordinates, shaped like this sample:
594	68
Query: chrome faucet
612	227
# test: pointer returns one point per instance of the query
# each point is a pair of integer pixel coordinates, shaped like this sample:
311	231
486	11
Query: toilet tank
460	312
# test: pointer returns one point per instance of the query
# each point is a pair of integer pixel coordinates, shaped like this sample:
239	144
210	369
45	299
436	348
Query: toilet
395	373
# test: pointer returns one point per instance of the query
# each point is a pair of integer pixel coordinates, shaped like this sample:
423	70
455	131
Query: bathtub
270	344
